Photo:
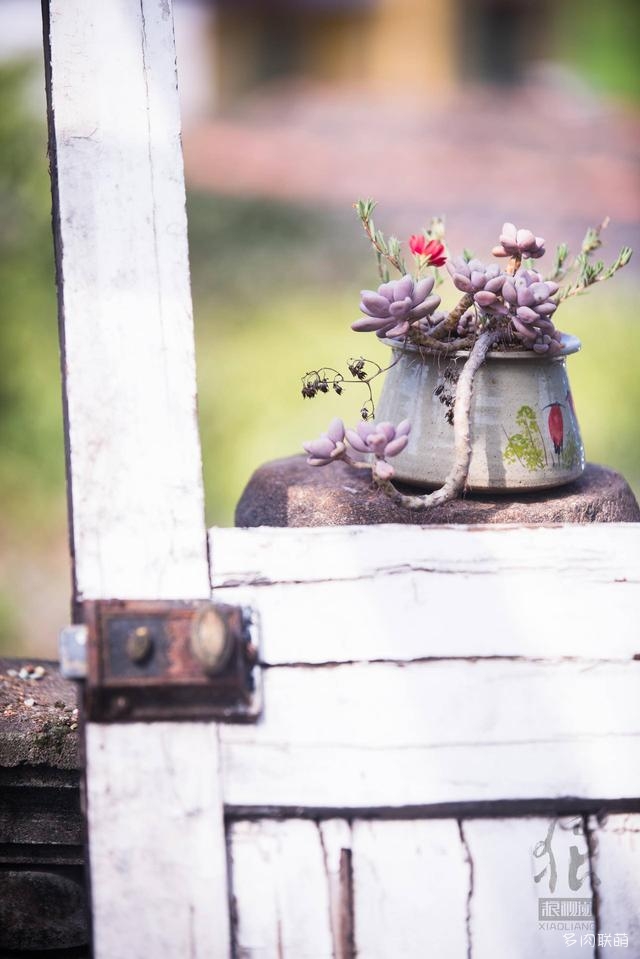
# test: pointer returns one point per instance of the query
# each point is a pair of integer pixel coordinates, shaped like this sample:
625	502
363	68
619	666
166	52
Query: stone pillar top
287	492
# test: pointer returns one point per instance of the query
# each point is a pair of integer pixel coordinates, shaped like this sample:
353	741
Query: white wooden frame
375	704
133	451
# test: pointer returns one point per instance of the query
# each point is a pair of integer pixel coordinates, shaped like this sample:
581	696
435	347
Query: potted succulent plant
479	395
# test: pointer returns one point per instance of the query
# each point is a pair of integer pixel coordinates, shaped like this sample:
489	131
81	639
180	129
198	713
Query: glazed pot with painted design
524	430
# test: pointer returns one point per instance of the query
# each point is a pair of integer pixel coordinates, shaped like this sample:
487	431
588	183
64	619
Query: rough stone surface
38	717
287	492
43	902
41	910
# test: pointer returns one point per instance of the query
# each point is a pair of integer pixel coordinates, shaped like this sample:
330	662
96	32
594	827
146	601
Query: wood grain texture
134	465
266	555
401	593
411	887
504	897
133	454
158	869
437	888
390	735
281	890
335	836
408	897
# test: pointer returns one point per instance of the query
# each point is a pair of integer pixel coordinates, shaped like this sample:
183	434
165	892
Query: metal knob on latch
139	645
212	640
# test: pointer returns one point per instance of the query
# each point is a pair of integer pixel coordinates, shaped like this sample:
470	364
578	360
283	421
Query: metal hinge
157	660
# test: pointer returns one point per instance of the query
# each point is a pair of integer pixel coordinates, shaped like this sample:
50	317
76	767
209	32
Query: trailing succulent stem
512	306
456	480
450	323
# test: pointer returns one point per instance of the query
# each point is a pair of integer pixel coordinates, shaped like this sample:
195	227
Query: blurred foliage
32	460
604	376
602	41
9	629
274	300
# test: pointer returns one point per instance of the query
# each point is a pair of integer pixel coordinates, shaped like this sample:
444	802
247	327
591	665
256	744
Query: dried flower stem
455	481
317	381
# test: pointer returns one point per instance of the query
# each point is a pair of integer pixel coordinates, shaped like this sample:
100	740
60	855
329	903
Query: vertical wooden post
133	454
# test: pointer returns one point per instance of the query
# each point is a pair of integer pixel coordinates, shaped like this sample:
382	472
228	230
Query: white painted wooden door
449	714
447	765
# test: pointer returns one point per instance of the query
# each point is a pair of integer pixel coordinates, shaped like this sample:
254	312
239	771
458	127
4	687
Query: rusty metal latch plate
156	660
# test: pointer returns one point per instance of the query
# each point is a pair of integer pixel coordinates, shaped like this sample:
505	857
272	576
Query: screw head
139	644
119	706
211	641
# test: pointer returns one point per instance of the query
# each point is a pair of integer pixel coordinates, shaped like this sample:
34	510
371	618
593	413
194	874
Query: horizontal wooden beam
490	809
399	593
392	735
266	555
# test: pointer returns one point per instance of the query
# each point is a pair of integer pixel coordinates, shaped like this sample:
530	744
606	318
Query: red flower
431	250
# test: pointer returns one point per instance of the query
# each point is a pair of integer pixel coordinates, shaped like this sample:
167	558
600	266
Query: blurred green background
275	285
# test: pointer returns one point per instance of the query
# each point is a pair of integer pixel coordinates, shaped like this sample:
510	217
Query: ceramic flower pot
524	430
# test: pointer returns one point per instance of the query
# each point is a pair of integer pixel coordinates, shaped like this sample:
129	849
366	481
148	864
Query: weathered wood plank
133	453
505	917
388	735
304	890
158	870
134	465
411	886
616	867
263	554
281	886
335	835
417	615
352	594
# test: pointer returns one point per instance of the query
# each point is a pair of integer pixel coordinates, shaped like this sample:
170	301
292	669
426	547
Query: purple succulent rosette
396	305
328	447
530	299
518	243
383	439
468	323
484	283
